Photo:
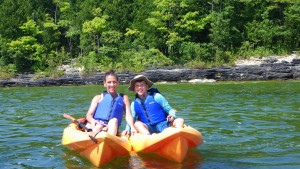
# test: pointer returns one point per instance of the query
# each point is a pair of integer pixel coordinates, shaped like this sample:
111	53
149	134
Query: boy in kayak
152	110
106	110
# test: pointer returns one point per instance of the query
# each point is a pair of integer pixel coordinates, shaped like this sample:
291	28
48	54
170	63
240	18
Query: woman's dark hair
110	73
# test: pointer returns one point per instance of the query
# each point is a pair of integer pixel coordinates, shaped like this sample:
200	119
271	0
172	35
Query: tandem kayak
172	143
106	148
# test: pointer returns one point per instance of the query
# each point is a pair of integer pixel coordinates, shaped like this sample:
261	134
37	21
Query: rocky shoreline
271	68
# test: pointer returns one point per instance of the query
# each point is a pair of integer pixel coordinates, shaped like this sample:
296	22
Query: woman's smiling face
111	83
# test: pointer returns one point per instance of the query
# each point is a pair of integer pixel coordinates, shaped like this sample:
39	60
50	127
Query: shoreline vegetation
142	36
268	68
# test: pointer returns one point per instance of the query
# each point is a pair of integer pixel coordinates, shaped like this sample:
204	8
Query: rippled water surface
244	124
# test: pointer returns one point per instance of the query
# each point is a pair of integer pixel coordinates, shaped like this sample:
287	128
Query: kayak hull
172	143
107	148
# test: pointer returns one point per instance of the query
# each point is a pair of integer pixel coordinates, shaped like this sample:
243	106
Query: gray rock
270	70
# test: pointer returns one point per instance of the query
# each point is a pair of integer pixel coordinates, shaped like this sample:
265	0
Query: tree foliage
138	34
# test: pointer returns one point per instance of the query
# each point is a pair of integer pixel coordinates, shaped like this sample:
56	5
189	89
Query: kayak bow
172	143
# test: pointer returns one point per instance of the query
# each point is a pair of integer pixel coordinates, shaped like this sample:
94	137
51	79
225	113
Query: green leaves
30	28
136	35
27	53
96	25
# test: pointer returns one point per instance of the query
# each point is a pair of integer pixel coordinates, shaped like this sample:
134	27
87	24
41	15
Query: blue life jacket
149	112
110	108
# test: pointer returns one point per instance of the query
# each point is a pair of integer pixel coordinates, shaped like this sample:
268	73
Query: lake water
244	124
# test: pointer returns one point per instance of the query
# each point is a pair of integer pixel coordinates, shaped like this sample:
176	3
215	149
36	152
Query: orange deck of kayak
107	148
172	143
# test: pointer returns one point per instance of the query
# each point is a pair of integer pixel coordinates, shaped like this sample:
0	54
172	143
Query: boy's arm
164	104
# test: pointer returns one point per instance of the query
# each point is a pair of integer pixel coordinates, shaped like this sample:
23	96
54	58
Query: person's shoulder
98	97
158	95
124	95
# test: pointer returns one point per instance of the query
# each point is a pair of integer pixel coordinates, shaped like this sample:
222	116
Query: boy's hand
170	118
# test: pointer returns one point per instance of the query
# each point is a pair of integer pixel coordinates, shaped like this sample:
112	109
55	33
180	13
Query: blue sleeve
133	113
164	104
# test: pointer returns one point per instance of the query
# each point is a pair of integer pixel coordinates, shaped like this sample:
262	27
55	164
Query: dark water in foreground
244	124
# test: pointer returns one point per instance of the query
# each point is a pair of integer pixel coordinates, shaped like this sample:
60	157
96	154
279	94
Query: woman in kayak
152	110
106	109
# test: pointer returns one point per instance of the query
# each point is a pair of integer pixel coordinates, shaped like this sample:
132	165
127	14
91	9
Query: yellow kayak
172	143
107	148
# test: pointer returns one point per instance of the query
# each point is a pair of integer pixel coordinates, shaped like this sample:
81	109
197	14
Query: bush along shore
271	68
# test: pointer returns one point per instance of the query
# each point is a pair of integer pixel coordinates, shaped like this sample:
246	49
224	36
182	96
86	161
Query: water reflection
152	160
136	161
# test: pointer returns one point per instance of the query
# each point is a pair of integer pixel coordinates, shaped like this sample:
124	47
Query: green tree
38	35
27	52
292	26
176	22
65	18
13	14
92	30
121	13
50	34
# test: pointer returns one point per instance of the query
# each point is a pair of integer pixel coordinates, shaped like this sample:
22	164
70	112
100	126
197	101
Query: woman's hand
93	123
